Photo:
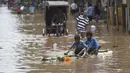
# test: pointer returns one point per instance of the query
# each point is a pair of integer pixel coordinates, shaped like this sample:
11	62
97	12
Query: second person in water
90	46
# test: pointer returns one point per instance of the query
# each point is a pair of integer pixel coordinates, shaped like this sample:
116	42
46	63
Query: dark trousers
90	18
77	51
93	50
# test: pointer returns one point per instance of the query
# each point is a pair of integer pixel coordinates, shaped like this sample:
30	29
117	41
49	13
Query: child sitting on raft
92	43
80	48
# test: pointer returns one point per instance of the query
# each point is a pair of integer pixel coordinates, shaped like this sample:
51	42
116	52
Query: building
123	13
127	10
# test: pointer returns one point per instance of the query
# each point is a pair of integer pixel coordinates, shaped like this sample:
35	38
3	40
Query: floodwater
22	47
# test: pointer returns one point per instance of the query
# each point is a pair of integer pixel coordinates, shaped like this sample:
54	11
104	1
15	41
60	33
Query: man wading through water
90	12
82	22
74	8
97	12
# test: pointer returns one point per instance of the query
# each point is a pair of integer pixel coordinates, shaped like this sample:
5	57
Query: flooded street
22	47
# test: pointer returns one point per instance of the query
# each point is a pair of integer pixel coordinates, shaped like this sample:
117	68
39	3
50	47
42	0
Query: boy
90	12
79	46
74	8
92	43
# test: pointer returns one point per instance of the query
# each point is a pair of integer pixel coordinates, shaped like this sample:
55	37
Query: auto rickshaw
56	18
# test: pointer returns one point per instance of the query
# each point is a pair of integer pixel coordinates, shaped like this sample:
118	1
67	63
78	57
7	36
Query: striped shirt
82	23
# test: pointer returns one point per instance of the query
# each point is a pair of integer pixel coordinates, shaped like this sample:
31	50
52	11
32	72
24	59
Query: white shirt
74	6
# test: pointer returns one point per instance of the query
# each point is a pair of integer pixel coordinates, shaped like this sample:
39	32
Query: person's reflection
21	18
32	18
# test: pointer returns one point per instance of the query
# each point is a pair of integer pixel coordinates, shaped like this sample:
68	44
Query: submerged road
22	47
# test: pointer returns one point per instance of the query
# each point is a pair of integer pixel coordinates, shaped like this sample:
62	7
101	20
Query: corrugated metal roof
57	3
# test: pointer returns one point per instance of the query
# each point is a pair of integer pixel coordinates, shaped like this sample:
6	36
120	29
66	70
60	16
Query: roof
57	3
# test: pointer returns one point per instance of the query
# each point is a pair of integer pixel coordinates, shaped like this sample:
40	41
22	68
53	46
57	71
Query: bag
18	10
22	8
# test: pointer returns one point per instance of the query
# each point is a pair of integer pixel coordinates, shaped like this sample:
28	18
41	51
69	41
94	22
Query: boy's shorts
77	51
93	50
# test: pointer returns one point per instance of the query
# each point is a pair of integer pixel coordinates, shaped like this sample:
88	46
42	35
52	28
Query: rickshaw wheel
57	32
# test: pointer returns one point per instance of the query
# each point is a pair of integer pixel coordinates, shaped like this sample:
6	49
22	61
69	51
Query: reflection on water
22	47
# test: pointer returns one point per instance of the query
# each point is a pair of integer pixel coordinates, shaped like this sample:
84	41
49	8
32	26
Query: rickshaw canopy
57	3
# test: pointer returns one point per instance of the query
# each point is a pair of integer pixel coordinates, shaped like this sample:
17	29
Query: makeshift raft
62	57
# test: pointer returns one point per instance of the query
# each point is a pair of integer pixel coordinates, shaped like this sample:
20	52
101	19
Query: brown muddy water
22	47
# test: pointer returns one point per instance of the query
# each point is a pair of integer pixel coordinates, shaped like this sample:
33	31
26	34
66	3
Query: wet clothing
91	50
32	9
18	10
79	47
90	18
25	10
90	13
92	43
97	10
82	22
97	13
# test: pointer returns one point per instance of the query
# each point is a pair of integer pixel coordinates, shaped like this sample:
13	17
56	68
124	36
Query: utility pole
117	26
128	16
107	6
116	13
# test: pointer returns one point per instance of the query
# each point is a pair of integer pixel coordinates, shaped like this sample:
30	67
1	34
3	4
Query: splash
54	46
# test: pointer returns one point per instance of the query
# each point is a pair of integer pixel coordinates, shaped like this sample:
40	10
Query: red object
18	9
